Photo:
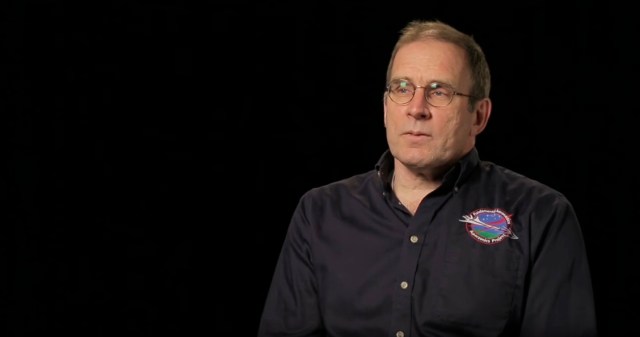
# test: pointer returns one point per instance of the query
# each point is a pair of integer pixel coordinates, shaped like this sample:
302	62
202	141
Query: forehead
431	60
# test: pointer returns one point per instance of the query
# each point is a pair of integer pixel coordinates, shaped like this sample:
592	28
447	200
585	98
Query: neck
411	191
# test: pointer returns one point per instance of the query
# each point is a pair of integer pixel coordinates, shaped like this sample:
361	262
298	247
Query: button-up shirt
489	253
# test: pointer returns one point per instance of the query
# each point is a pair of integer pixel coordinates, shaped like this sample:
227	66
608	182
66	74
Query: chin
418	157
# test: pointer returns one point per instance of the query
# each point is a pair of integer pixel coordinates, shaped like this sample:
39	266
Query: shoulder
356	187
347	185
534	205
516	183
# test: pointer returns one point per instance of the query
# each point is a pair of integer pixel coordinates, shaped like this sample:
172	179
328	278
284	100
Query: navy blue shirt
489	253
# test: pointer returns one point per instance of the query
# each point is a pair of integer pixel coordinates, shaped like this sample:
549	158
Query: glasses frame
426	87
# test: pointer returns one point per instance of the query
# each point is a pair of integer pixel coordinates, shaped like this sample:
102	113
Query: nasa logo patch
489	226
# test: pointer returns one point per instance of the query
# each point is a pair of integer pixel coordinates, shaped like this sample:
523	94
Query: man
433	241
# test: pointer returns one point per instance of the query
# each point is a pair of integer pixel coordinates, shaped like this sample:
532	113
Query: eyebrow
428	83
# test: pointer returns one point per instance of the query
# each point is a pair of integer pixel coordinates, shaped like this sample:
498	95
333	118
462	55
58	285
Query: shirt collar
455	177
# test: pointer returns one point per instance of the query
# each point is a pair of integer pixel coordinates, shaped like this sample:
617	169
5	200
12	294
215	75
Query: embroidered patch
489	226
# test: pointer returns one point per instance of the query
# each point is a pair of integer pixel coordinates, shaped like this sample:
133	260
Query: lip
417	134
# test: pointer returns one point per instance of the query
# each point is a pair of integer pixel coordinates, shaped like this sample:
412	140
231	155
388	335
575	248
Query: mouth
417	134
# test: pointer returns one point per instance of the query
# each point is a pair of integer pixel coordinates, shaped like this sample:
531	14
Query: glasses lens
401	91
439	94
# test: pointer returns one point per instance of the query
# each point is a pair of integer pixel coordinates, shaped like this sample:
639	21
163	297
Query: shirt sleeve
292	307
560	297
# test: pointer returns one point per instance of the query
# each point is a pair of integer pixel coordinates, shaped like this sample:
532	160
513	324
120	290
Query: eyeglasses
437	94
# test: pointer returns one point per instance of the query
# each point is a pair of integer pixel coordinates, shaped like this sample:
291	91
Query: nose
418	107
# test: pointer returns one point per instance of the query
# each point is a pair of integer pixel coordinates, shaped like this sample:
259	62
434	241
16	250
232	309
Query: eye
439	91
402	87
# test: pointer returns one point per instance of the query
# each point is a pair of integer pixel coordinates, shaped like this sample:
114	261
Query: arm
559	298
291	307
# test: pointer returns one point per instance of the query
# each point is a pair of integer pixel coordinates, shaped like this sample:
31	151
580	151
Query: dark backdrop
154	150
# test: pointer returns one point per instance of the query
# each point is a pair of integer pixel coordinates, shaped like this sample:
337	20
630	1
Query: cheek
456	126
392	118
384	108
466	124
460	121
449	124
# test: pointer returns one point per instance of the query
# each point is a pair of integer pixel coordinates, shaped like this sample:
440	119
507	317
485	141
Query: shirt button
413	238
404	284
400	333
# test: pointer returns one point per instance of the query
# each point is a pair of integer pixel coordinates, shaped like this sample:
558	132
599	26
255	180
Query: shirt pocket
478	286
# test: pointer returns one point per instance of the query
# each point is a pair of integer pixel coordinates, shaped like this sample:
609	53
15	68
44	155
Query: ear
481	113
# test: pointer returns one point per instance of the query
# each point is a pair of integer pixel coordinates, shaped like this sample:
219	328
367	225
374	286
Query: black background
156	149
